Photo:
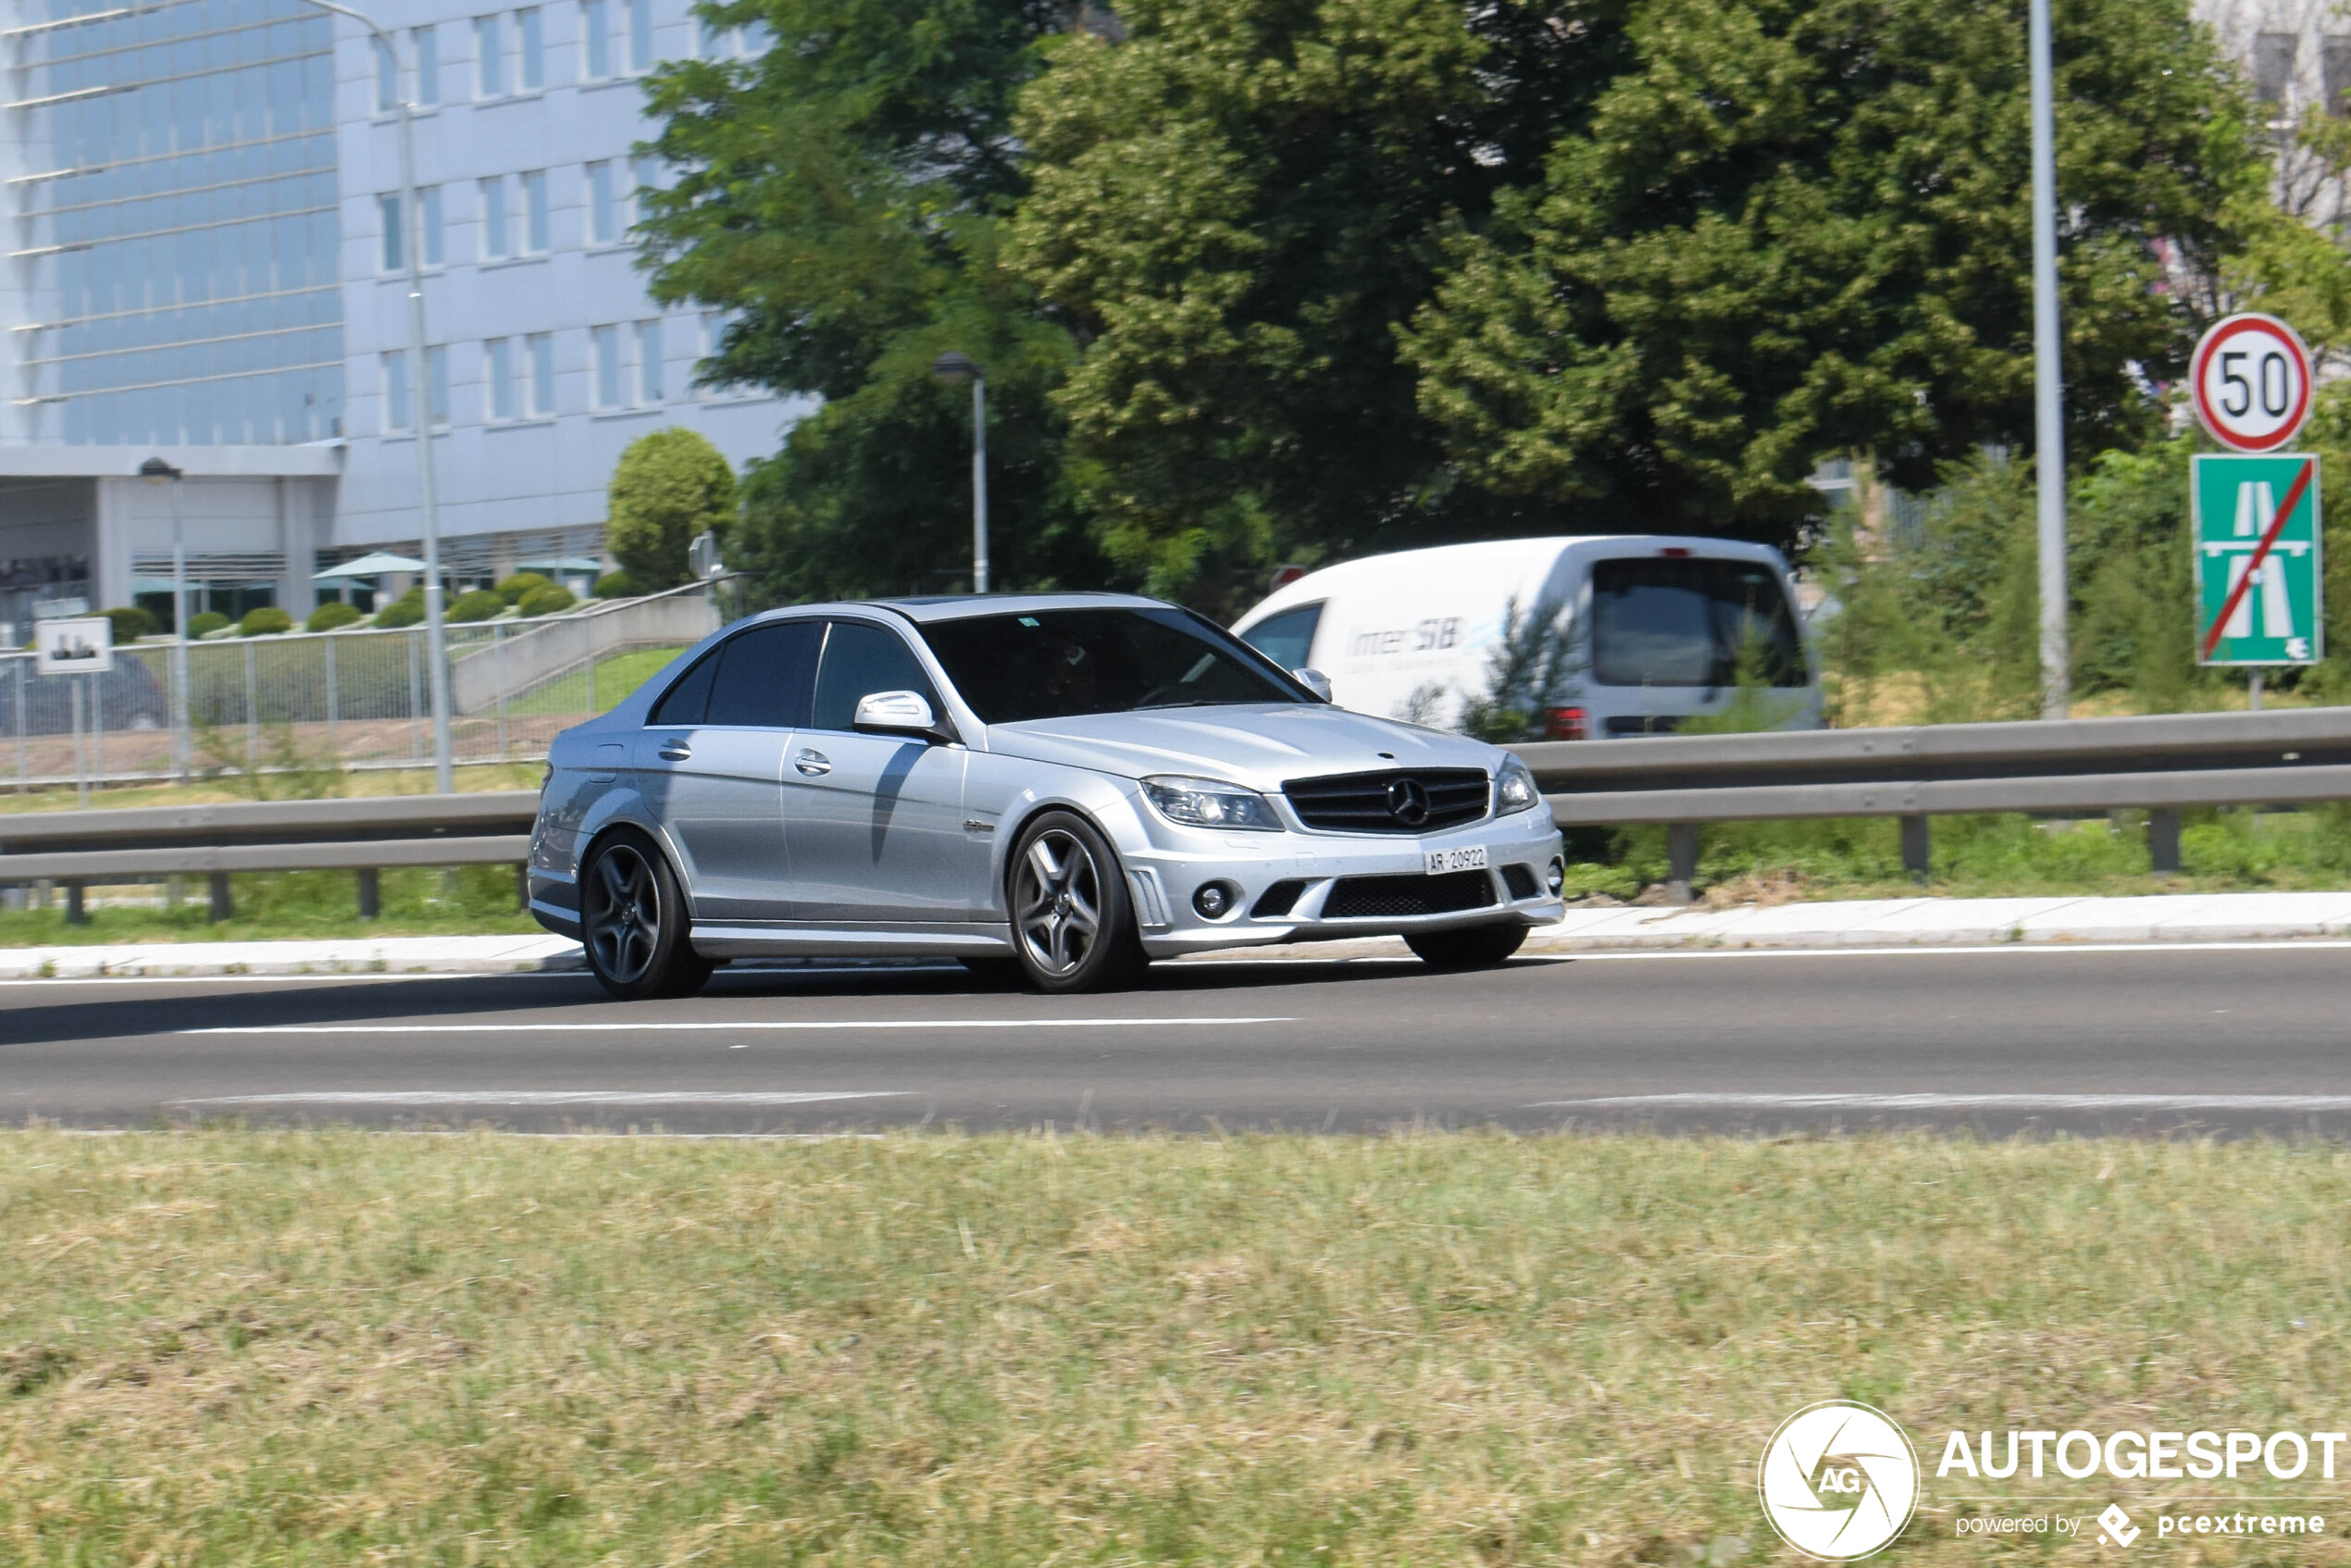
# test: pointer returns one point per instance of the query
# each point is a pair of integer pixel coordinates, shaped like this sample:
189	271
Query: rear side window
861	659
686	701
1660	620
1286	638
765	677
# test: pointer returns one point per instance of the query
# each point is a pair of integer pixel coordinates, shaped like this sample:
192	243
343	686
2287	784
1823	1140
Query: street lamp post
420	387
155	470
952	367
2048	369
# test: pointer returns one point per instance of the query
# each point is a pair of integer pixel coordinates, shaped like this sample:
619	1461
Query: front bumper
1164	878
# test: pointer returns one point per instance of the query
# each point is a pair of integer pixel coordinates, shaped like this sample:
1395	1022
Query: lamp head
953	367
155	470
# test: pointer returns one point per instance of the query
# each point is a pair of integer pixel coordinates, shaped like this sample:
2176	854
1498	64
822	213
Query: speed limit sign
2251	381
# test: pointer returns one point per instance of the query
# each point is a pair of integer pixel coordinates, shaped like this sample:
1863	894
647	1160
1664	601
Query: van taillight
1565	724
1675	552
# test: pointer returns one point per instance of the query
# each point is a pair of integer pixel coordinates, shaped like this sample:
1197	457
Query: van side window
685	703
1286	638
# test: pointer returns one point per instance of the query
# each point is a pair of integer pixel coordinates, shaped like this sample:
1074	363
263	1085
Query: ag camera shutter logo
1839	1480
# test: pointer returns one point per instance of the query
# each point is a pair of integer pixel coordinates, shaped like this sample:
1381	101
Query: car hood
1259	746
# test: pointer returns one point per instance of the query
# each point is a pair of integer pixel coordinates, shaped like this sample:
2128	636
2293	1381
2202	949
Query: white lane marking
714	1026
542	1096
1700	1101
2044	949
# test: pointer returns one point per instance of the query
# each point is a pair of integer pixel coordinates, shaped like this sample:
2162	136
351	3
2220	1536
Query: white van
1652	629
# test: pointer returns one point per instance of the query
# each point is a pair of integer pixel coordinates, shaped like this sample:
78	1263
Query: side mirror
1314	680
897	713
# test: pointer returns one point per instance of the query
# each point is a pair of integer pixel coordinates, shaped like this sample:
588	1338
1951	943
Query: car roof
962	606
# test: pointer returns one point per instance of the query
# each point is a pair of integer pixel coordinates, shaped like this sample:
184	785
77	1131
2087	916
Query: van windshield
1664	620
1058	664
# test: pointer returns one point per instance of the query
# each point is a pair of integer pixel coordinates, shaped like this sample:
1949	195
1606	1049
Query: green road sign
2257	559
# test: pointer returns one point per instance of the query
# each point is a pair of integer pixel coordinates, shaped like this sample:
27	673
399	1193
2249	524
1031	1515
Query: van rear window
1689	621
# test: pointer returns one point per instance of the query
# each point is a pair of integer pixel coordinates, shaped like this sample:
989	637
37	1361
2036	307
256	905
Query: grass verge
232	1348
288	905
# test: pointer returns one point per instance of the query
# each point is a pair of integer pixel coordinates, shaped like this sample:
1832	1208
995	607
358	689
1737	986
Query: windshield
1058	664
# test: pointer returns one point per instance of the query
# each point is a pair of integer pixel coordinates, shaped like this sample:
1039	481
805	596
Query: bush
131	623
481	605
616	585
210	621
407	610
267	621
328	617
513	588
669	486
547	599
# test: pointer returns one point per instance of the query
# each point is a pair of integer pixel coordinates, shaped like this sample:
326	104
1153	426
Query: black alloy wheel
633	917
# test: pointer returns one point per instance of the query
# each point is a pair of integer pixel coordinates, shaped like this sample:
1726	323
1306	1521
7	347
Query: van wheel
1073	926
632	915
1479	947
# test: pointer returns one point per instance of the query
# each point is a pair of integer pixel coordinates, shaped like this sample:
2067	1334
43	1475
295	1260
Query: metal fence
336	699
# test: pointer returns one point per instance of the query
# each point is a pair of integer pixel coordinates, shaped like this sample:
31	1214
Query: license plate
1442	860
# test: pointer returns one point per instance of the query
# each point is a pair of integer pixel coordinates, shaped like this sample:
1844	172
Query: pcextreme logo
1838	1481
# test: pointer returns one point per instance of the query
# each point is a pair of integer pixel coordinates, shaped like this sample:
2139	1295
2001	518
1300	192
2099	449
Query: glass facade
182	222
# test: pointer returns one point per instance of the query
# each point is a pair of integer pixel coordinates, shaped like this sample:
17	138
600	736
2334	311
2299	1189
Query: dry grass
226	1348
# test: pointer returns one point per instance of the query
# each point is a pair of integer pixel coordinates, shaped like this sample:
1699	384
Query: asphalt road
2233	1039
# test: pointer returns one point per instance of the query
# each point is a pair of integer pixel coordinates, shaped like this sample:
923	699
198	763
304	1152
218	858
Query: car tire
1478	947
1073	924
633	922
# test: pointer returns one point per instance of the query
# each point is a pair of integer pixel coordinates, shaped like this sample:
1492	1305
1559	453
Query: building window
387	81
496	242
646	174
714	343
2273	67
603	211
429	206
388	209
713	41
597	28
542	349
399	401
425	42
436	382
489	52
648	362
534	49
605	343
641	34
2336	66
534	212
498	369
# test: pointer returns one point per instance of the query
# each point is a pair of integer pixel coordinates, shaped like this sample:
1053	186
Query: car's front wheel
633	915
1073	924
1479	947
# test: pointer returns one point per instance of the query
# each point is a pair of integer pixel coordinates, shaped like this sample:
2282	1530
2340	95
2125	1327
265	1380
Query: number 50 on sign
2258	565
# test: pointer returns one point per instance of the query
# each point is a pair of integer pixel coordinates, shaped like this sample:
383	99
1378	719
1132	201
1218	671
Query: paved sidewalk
1875	923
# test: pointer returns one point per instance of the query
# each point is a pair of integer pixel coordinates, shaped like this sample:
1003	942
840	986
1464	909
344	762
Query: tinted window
1055	663
861	659
1688	621
684	702
1286	638
765	675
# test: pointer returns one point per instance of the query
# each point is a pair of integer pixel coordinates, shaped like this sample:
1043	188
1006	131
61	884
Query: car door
875	822
711	761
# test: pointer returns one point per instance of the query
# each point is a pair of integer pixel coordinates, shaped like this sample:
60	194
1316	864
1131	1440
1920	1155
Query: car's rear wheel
1073	924
1478	947
632	915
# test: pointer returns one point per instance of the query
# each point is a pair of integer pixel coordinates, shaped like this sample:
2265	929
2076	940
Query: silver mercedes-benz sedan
1057	786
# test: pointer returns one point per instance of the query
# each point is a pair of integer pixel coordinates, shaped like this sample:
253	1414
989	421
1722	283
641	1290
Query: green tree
669	486
843	196
1800	227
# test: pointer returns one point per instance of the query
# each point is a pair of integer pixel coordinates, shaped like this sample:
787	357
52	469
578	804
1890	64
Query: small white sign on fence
75	647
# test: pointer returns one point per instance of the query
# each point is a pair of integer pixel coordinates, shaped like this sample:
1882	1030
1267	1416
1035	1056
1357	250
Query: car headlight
1514	789
1209	803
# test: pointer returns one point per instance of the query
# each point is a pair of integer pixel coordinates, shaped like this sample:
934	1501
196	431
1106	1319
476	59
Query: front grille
1357	898
1370	802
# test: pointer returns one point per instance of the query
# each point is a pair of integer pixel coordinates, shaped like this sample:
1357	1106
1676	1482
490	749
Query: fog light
1555	876
1215	900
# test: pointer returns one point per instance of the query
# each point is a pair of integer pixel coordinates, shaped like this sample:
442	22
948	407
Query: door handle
813	762
676	750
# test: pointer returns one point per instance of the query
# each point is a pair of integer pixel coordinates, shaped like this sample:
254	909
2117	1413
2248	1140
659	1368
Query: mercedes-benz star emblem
1408	802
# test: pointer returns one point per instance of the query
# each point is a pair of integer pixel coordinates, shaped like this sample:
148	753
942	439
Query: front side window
1689	621
1059	663
861	659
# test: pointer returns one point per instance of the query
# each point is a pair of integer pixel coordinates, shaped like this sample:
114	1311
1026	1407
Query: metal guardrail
2159	763
80	847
